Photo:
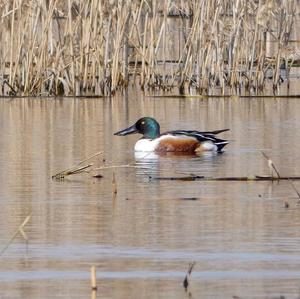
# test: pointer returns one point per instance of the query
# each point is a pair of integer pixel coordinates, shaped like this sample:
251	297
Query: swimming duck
172	141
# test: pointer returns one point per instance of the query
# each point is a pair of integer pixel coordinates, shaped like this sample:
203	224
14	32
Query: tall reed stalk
77	47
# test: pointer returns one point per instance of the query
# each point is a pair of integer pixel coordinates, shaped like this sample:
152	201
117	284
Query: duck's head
147	126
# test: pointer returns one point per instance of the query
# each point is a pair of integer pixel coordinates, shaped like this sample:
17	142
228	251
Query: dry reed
114	185
93	279
271	165
188	274
19	230
76	47
78	168
295	189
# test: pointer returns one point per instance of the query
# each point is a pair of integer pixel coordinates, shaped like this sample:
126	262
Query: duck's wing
214	132
202	136
191	132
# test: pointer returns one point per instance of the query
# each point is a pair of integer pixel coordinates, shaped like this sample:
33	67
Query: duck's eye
143	122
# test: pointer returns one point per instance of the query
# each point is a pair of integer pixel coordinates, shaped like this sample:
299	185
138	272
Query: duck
189	141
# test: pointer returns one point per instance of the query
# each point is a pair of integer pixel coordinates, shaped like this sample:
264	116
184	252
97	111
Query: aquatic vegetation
94	47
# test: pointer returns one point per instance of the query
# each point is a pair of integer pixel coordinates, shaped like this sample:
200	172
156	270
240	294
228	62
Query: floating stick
203	178
71	171
122	166
75	169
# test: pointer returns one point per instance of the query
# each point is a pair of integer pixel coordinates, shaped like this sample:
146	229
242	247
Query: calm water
245	242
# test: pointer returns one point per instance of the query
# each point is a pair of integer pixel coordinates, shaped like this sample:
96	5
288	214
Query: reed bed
98	47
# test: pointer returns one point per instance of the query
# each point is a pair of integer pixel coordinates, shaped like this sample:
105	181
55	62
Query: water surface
242	236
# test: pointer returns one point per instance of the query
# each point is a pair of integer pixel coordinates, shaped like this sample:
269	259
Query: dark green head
147	126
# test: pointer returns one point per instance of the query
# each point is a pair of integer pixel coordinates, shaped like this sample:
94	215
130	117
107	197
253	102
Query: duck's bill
130	130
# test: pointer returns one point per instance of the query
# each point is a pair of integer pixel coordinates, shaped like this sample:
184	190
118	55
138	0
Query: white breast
146	145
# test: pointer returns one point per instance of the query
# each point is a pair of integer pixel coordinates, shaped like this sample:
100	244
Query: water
243	238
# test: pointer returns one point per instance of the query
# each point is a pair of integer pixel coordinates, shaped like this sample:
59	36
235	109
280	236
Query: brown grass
76	47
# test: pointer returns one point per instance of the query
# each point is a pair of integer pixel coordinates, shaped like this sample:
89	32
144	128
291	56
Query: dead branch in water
20	230
255	178
75	169
122	166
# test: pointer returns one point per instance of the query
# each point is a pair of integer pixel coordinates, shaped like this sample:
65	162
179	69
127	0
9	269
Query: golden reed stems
93	279
91	47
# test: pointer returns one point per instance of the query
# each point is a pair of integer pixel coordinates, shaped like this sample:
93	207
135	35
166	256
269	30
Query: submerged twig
271	164
188	274
122	166
203	178
98	175
20	230
75	169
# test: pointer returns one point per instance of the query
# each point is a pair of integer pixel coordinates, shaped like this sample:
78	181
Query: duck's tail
220	143
214	132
